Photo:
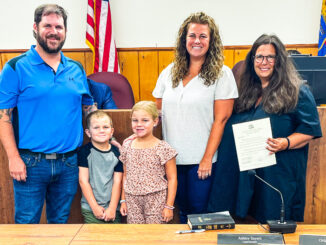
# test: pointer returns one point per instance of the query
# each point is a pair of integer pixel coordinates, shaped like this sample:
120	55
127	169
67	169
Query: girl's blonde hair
148	106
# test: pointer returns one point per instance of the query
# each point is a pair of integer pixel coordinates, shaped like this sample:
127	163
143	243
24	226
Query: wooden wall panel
229	57
7	209
164	59
7	56
1	65
77	56
315	212
311	51
240	54
89	63
129	67
148	73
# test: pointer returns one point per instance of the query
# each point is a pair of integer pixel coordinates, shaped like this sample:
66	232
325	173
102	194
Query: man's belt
48	156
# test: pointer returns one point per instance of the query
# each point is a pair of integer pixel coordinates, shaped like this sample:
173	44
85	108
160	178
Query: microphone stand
281	225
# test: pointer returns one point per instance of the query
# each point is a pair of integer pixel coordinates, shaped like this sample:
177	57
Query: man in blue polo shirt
50	93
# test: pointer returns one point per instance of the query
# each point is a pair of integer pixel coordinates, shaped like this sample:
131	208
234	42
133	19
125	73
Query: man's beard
44	45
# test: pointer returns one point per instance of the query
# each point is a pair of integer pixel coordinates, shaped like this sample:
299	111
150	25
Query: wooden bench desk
81	234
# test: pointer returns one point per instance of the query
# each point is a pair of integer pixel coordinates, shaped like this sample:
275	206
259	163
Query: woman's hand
276	145
205	169
167	215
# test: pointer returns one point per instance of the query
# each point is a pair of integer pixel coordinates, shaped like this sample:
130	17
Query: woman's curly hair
211	69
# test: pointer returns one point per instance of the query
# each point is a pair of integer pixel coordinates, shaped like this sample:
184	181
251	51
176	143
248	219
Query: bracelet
169	207
122	201
288	147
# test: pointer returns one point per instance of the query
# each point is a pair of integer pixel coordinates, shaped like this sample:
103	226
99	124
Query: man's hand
17	168
86	109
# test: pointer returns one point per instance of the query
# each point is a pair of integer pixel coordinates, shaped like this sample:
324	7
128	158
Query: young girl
150	175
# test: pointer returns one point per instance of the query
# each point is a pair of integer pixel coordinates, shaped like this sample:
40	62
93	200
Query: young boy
100	172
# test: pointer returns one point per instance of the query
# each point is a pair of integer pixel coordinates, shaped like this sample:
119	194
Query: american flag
99	36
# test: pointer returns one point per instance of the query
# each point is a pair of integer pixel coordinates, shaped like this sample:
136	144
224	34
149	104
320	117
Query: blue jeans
55	181
192	192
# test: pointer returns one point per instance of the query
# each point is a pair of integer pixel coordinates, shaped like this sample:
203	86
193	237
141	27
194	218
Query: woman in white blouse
196	95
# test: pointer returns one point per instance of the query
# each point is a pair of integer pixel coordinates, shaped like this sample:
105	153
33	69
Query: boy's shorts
89	218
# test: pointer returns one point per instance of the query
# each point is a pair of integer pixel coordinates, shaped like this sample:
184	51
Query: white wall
154	23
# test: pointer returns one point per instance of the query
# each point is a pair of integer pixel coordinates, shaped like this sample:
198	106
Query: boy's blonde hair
148	106
97	114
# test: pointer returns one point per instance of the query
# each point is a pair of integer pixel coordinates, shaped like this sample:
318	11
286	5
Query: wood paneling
164	59
228	57
311	51
148	73
1	65
240	54
89	62
315	212
129	67
7	56
77	56
6	191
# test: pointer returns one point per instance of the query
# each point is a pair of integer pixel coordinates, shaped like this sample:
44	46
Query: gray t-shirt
101	165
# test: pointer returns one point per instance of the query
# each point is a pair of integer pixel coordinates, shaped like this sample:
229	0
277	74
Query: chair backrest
121	90
237	71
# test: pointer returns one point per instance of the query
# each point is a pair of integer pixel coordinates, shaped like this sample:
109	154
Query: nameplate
249	239
312	239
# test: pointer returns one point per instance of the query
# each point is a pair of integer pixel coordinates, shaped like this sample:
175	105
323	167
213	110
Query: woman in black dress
269	87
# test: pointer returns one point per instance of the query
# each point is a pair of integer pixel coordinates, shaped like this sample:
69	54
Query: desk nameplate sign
312	239
249	239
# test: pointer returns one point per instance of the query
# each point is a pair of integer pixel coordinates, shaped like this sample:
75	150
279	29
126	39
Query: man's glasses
260	58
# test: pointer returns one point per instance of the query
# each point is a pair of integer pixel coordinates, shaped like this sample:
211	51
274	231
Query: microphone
281	225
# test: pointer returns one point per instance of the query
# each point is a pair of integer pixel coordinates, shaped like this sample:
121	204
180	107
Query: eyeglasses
260	58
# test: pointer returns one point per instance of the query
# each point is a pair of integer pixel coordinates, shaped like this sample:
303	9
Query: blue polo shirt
49	103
